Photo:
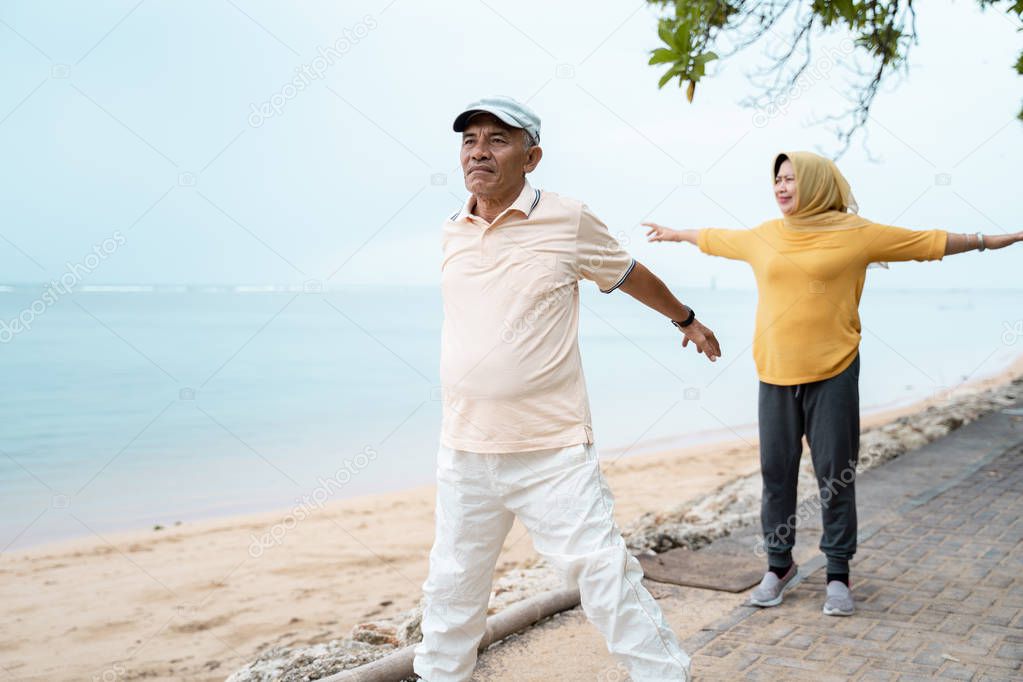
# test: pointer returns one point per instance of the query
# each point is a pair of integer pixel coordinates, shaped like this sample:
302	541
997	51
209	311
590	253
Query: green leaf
669	74
665	32
682	43
700	64
846	9
663	56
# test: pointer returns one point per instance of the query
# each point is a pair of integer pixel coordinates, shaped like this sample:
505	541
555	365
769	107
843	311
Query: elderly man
517	439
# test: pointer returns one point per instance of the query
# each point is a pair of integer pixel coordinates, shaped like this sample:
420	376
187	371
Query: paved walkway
939	591
938	580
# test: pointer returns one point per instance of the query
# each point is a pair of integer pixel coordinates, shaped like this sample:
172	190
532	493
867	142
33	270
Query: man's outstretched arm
648	289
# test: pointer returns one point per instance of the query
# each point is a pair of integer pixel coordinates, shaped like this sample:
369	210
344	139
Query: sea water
128	407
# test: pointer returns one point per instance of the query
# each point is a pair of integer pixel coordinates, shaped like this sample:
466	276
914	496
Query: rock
523	583
410	630
375	633
300	664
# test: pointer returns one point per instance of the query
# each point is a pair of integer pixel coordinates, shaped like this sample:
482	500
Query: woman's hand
1000	241
660	233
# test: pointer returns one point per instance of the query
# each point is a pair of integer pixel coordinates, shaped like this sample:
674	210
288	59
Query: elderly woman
810	267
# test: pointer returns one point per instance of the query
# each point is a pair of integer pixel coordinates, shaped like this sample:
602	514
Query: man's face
494	156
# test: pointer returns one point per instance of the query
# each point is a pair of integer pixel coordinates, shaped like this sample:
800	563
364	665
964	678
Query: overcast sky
146	119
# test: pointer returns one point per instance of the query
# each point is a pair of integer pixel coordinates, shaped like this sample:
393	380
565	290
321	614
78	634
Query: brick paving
939	592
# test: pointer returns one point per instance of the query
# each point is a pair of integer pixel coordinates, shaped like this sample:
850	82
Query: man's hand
648	289
703	339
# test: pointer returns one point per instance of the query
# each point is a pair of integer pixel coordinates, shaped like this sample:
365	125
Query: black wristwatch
686	322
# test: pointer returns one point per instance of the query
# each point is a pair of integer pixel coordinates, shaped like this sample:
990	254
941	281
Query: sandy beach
199	600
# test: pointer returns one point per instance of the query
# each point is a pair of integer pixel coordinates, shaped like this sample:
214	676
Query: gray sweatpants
828	413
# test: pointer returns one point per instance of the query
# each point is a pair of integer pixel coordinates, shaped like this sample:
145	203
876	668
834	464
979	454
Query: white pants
563	501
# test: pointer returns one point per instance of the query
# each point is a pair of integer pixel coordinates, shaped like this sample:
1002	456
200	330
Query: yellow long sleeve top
809	284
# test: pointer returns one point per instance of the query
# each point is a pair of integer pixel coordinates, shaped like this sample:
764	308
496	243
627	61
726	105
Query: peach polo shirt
511	373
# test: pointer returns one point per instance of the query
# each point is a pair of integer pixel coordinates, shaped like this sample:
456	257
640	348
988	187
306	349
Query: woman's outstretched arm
660	233
960	243
734	244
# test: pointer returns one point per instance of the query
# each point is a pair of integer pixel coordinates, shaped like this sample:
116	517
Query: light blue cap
512	112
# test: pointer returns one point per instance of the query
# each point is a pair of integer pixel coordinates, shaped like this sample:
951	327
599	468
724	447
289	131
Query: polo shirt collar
525	203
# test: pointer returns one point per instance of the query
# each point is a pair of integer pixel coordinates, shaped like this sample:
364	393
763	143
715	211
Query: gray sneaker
772	588
839	601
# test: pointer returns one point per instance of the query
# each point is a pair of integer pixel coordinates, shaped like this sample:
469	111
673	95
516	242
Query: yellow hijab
824	199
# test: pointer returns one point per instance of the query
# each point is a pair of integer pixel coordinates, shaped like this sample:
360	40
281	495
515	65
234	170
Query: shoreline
729	437
194	601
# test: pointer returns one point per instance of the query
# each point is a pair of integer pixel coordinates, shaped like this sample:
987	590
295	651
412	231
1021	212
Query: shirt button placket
488	248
